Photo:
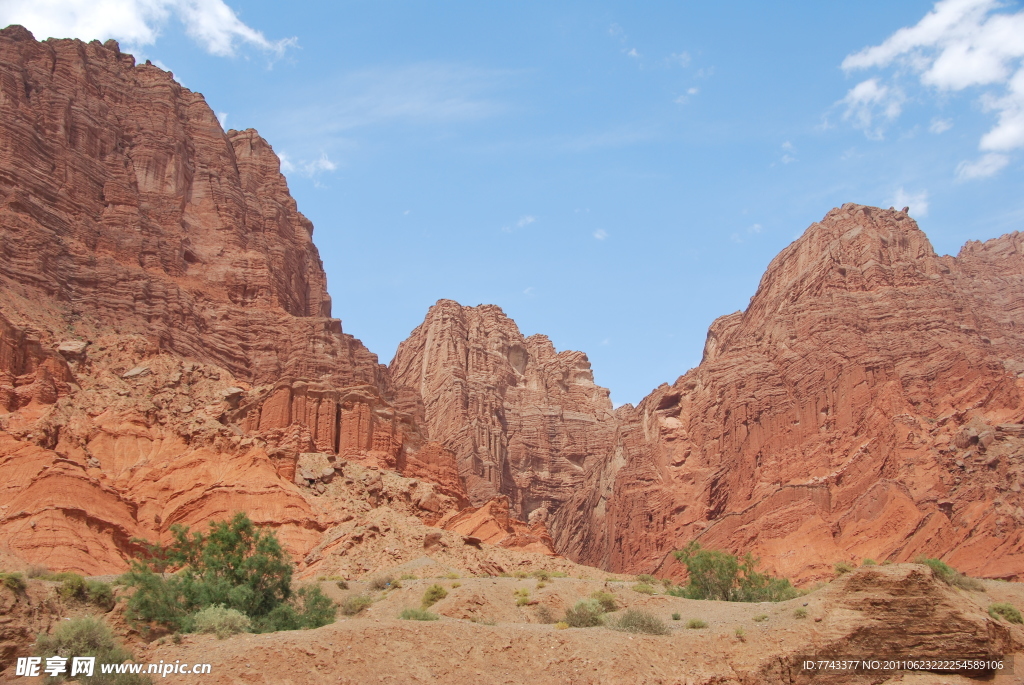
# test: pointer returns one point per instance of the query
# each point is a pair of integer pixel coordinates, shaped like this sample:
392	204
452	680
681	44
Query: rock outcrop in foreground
167	355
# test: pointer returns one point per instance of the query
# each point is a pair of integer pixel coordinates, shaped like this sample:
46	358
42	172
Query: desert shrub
843	567
221	621
696	624
676	617
741	634
559	574
646	578
522	596
236	565
353	604
407	576
36	571
342	584
418	615
636	621
950	575
869	562
541	575
433	595
88	636
541	585
714	574
800	613
644	588
384	583
520	574
544	614
586	613
72	586
99	593
1005	610
13	581
456	585
561	625
452	576
760	617
606	600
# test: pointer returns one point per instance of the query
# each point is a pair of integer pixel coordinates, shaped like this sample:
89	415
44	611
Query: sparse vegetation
644	588
353	604
221	621
637	621
559	574
800	612
408	576
99	593
760	618
676	617
541	585
1005	610
696	624
72	586
544	614
869	562
418	615
522	597
384	583
606	600
89	636
586	613
36	571
950	575
452	576
646	578
342	584
741	634
542	575
521	574
235	565
561	625
455	585
715	574
13	581
843	567
433	595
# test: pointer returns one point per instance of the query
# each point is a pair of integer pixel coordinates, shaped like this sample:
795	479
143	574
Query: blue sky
614	175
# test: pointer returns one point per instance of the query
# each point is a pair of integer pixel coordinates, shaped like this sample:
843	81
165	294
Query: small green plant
676	617
646	578
408	576
606	600
417	615
433	595
452	576
760	617
455	585
561	625
89	636
559	574
1005	610
636	621
522	597
869	562
644	588
696	624
13	581
221	621
353	604
72	586
342	584
950	575
520	574
741	634
545	615
542	575
541	585
100	594
586	613
176	638
843	567
800	612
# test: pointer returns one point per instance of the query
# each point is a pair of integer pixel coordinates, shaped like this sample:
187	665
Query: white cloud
307	168
600	234
756	228
940	125
526	220
222	117
918	202
963	44
983	167
633	53
211	23
681	59
692	91
870	101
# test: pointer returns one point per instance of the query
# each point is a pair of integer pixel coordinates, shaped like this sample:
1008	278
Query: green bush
714	574
586	613
559	574
100	594
433	595
221	621
676	617
418	615
88	636
646	578
760	617
696	624
869	562
800	613
13	581
644	588
72	586
606	600
353	604
636	621
950	575
522	596
1005	610
541	575
342	584
843	567
236	565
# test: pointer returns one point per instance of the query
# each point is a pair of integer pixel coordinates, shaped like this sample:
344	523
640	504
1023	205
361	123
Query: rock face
166	346
523	420
865	405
